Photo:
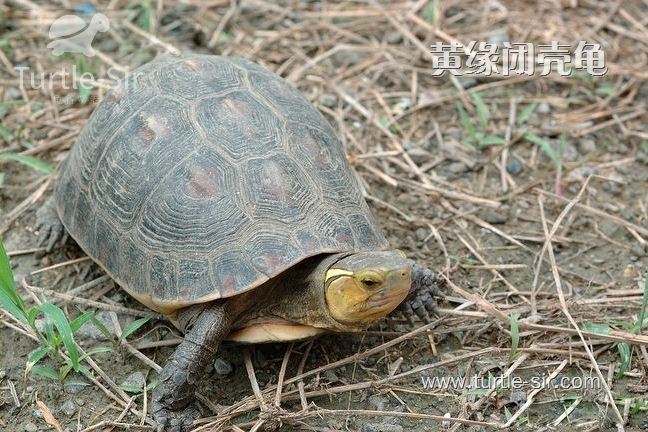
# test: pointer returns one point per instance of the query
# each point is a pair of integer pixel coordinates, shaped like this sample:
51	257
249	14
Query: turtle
71	33
214	193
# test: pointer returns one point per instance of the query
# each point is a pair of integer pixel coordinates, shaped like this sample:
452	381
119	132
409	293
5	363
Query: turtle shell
67	25
201	177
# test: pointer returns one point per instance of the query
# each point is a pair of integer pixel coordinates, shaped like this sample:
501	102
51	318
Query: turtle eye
370	279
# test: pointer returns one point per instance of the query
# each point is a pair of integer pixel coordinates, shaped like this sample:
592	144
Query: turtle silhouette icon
72	34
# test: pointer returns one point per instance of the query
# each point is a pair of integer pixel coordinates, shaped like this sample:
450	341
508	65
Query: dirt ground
539	238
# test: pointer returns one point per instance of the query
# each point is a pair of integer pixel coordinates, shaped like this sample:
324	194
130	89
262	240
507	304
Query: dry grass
537	266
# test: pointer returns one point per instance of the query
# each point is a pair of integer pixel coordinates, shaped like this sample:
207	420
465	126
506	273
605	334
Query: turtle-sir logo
72	34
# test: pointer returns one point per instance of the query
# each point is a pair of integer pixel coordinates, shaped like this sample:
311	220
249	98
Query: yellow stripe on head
333	273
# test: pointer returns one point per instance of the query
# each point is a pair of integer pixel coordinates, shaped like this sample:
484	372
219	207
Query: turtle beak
393	291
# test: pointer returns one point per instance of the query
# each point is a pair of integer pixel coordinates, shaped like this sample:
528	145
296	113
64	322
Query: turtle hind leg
173	403
49	226
420	302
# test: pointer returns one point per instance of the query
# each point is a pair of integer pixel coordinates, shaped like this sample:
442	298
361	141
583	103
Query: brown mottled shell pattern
200	177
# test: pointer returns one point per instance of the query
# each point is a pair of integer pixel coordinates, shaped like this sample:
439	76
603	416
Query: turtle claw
171	411
50	229
168	420
420	303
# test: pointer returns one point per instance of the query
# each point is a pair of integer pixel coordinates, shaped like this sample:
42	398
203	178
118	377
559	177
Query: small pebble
586	146
331	376
31	427
393	37
74	386
613	188
12	93
347	57
518	397
395	420
421	234
329	100
133	382
638	249
377	402
223	367
68	408
418	155
457	167
544	108
494	217
381	427
514	166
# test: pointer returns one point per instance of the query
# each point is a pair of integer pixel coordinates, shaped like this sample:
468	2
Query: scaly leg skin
173	403
420	301
48	224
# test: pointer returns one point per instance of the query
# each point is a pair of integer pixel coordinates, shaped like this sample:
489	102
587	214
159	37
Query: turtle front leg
173	402
420	301
49	226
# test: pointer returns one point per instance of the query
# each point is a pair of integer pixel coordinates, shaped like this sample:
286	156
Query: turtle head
366	286
100	22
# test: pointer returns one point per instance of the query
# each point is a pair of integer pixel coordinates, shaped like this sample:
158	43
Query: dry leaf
48	416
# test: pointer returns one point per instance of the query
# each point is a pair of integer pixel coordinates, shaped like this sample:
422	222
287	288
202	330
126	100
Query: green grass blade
483	114
515	334
430	11
602	329
545	146
466	122
96	350
526	113
644	304
78	322
6	134
45	371
131	389
492	140
62	324
31	162
625	352
145	16
133	327
32	314
37	355
103	329
85	91
33	358
10	300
